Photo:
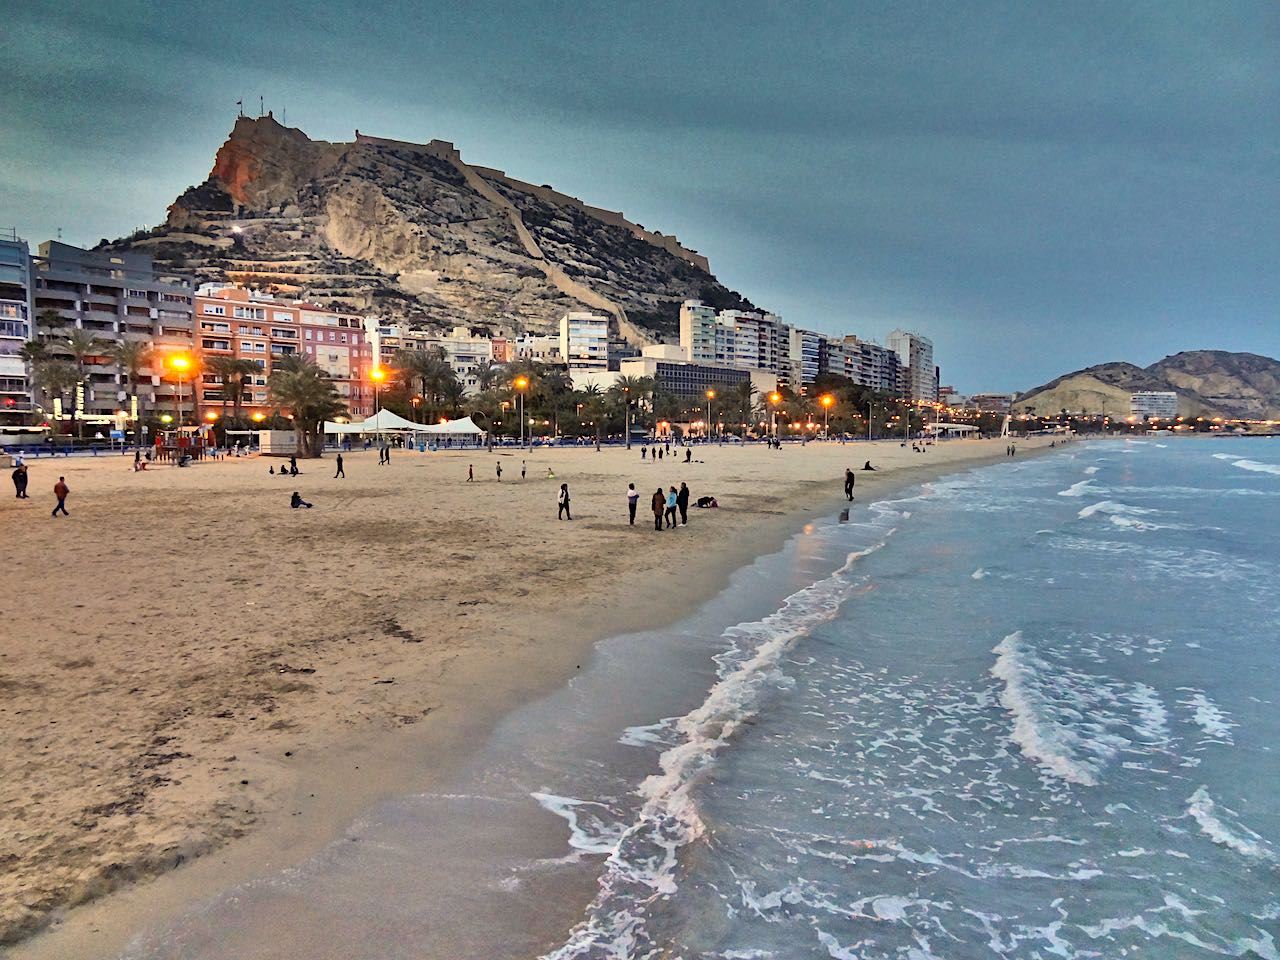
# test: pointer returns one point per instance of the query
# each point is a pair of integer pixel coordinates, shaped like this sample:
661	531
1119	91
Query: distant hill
412	232
1208	383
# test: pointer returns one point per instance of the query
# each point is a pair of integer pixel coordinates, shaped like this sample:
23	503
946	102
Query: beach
188	662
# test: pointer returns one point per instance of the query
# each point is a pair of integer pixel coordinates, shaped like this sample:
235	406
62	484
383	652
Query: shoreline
311	800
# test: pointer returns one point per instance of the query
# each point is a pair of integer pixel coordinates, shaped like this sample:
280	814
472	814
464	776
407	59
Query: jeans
671	516
631	511
62	505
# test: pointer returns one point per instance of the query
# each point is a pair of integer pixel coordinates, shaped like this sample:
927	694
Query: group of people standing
670	509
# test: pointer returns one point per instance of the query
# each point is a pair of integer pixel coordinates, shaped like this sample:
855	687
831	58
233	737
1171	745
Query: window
284	334
343	338
208	344
307	334
136	294
282	316
174	298
209	327
250	313
215	310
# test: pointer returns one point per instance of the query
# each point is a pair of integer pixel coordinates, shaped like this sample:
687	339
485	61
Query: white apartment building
734	338
803	354
915	357
584	341
705	337
15	326
1162	404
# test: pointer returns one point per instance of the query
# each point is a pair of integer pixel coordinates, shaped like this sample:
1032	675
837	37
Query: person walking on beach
633	498
60	490
682	501
563	512
673	498
848	484
644	453
498	467
20	482
340	472
471	473
658	503
523	466
688	454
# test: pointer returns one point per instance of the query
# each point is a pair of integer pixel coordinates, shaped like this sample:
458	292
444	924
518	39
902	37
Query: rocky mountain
411	232
1208	383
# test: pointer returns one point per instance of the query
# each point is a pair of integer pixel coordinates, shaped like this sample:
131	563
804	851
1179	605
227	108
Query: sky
1035	186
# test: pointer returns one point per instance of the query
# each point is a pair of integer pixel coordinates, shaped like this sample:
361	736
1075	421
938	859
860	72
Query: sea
1024	711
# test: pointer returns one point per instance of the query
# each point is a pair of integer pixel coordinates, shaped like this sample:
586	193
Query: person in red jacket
60	490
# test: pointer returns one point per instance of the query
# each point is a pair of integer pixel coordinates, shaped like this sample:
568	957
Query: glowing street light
711	395
775	398
180	363
521	385
826	400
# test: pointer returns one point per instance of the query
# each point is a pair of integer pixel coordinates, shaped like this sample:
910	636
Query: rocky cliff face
1208	383
412	232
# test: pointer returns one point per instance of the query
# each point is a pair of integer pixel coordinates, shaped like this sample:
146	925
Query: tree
50	323
57	378
488	374
233	372
83	345
303	389
130	357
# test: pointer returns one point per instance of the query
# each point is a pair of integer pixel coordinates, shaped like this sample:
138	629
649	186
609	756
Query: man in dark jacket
682	501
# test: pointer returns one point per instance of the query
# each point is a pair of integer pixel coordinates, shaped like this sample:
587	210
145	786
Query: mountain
1208	383
411	232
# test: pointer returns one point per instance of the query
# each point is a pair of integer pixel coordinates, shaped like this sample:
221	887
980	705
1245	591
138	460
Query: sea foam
642	864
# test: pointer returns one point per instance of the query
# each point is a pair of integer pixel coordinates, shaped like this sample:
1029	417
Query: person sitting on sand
867	466
296	501
550	474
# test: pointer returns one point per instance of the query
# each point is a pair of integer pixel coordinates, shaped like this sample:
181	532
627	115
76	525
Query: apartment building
338	344
462	351
236	322
1153	404
16	318
919	376
804	352
705	337
116	297
584	341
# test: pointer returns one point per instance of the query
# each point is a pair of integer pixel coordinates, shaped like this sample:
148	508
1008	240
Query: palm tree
488	374
596	406
50	323
302	388
57	378
83	345
233	372
130	357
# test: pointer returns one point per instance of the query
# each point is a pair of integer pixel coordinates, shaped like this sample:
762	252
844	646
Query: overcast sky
1035	186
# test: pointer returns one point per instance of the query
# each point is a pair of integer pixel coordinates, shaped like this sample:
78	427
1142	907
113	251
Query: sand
186	661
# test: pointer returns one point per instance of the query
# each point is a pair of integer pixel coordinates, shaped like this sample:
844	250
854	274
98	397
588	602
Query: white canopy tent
384	421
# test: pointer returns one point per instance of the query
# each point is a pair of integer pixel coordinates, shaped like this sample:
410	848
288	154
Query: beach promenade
186	661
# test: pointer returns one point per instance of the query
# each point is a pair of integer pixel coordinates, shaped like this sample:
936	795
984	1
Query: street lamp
711	395
180	362
377	375
826	400
626	414
775	398
521	385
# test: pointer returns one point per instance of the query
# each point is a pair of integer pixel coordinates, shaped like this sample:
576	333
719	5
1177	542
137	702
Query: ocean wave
1209	718
1256	467
1202	809
641	865
588	833
1112	508
1073	724
1078	489
1090	470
